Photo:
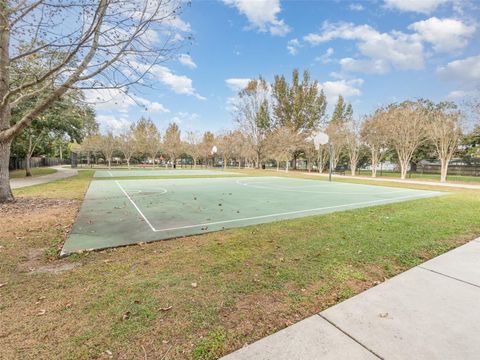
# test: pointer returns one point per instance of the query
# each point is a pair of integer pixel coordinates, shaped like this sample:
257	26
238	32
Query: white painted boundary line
253	185
418	196
111	175
135	205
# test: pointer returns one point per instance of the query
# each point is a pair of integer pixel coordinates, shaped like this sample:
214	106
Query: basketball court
123	212
158	173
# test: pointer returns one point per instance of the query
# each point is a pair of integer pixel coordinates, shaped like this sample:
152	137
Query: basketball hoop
320	139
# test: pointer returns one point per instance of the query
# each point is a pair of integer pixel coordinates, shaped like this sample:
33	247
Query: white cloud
420	6
356	7
465	72
109	100
326	57
187	60
346	88
460	94
445	35
396	48
262	14
112	123
292	46
180	84
151	106
366	66
118	101
237	84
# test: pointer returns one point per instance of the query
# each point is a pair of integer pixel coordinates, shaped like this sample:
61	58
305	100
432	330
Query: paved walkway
61	173
429	312
417	182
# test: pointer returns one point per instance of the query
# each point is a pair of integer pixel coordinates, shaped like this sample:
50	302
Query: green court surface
123	212
159	173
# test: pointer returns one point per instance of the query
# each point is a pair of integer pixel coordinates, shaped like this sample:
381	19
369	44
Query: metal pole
331	164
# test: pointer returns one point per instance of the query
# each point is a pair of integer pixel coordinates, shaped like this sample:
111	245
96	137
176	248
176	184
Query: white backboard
320	139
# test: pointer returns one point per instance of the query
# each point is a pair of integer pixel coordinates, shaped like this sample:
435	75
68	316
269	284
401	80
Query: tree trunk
28	170
5	111
286	166
109	163
5	191
403	169
61	152
443	170
278	165
128	163
353	169
374	162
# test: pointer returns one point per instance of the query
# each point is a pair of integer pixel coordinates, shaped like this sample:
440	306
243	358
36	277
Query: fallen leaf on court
166	308
68	305
2	285
126	316
41	312
108	352
383	315
194	284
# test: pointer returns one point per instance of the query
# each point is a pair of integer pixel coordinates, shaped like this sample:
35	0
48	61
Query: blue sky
371	52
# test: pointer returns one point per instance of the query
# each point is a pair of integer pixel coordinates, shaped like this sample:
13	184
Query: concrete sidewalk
406	181
429	312
61	173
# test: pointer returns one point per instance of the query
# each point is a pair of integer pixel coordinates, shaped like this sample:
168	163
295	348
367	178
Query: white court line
314	192
291	212
135	205
111	175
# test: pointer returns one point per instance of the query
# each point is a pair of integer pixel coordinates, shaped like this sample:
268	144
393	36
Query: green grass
450	178
17	174
250	282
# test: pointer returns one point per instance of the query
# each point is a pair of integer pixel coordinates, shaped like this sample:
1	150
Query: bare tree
322	157
208	141
192	146
226	146
406	130
106	45
127	145
445	132
375	136
252	114
353	143
336	133
310	152
281	144
91	146
108	145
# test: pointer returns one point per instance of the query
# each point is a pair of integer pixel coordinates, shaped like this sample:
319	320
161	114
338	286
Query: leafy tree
104	47
300	105
67	120
172	142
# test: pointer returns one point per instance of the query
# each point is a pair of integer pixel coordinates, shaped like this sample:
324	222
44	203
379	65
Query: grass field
436	177
202	296
16	174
